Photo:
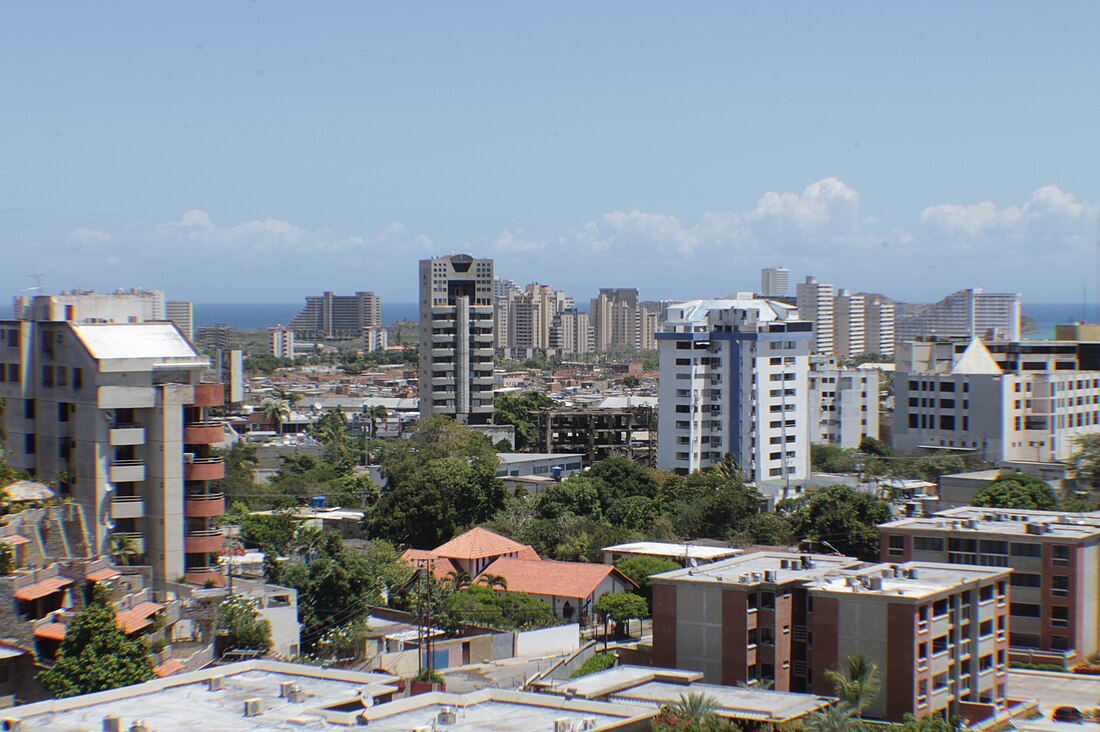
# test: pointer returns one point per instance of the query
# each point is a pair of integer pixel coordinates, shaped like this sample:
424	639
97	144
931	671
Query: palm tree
493	581
838	718
123	549
376	413
276	411
458	579
695	709
857	683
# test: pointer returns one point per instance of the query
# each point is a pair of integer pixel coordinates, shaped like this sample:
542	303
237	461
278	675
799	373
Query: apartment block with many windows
734	380
116	416
1054	557
844	403
456	338
937	632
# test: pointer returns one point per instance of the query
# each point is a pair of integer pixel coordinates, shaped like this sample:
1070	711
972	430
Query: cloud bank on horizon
1044	247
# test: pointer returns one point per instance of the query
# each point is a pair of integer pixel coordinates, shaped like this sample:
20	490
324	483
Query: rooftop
911	579
478	543
1006	523
696	311
561	579
183	700
106	341
769	567
678	551
508	458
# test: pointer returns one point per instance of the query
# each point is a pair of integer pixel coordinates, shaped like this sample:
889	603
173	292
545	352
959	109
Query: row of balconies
208	541
199	468
196	506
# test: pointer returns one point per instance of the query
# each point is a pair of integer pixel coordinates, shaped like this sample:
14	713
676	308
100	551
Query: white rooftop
679	551
106	341
696	311
911	579
769	567
513	458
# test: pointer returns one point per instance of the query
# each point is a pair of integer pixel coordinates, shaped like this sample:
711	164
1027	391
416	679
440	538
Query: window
1024	640
1025	610
1023	579
939	645
1060	554
986	628
1059	643
896	546
1059	616
767	600
62	412
78	379
928	544
29	444
985	594
1027	550
47	376
28	409
1059	585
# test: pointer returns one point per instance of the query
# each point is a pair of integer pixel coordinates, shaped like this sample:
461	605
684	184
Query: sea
258	315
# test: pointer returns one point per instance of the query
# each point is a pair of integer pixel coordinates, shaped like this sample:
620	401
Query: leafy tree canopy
1016	490
620	477
840	515
95	654
640	569
520	411
240	625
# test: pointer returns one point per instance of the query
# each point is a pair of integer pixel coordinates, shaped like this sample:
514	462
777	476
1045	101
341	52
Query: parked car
1067	714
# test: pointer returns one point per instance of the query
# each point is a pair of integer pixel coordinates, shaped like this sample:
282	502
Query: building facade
849	324
970	313
1053	557
375	338
117	417
281	341
775	282
618	319
570	334
844	403
182	313
456	338
878	328
937	632
1019	401
816	303
330	317
734	377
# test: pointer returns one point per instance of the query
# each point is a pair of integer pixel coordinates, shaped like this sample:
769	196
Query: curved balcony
128	471
204	506
204	468
209	395
202	575
203	542
204	433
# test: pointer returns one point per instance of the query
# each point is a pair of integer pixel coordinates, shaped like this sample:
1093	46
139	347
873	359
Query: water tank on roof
318	502
556	472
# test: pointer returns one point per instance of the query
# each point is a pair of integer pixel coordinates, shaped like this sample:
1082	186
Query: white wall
548	641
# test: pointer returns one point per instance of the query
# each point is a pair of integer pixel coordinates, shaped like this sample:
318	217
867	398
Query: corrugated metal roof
107	341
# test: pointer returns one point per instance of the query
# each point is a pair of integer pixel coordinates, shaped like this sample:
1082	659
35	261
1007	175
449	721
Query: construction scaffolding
600	433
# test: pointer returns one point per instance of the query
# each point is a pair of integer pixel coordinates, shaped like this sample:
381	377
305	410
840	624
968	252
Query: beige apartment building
937	632
116	416
1055	558
456	338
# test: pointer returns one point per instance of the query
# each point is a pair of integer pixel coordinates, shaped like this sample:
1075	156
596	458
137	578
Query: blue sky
260	151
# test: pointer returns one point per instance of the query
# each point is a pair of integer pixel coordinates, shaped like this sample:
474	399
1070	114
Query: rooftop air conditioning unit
111	723
188	457
296	695
913	573
215	683
875	583
252	707
590	723
285	688
769	575
12	725
563	725
446	715
139	726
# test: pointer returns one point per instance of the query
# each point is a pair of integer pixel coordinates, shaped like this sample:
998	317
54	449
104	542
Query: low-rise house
569	588
470	552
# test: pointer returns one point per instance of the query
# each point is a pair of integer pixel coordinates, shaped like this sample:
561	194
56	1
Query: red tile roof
560	579
103	575
168	668
52	631
478	543
441	567
529	553
137	618
41	589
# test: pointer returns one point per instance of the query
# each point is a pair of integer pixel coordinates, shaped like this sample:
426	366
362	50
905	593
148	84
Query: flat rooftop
1006	523
185	700
769	567
911	579
511	458
497	710
679	551
150	340
618	678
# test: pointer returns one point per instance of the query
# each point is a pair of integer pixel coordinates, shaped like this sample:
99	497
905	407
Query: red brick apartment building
1055	558
938	632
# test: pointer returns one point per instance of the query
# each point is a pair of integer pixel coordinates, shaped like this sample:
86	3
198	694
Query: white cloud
515	241
84	235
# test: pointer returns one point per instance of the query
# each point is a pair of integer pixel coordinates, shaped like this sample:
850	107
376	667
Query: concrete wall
548	641
699	631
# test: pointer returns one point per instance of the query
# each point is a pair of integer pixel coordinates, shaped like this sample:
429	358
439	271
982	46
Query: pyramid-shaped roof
976	359
478	543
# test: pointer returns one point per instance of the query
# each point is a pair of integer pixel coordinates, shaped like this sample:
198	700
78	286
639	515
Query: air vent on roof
769	575
1036	529
252	707
215	683
285	687
112	723
446	715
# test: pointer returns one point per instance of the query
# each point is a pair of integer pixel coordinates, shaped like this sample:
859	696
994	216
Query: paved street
1054	689
507	674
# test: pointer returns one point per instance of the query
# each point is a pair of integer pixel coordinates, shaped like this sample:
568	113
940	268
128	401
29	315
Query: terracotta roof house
441	567
472	552
569	588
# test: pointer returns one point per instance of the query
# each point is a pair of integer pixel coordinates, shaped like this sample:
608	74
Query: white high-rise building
879	324
734	380
182	313
815	304
456	338
965	314
849	325
571	334
843	403
111	409
282	342
775	282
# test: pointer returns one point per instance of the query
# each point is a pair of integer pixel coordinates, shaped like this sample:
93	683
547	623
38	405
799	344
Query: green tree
619	477
1017	490
331	430
239	483
123	550
274	531
621	607
640	569
694	712
238	622
630	381
520	411
874	446
479	604
576	495
929	723
826	458
837	718
857	682
840	515
1086	461
375	414
95	654
275	411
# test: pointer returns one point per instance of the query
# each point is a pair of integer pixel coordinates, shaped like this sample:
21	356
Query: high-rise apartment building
1025	401
375	338
775	282
115	414
570	333
843	403
964	314
878	329
337	317
182	313
816	304
1053	556
849	324
618	319
121	306
456	338
734	380
281	342
938	632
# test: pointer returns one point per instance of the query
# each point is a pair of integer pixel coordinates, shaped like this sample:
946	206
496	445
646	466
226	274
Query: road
1054	689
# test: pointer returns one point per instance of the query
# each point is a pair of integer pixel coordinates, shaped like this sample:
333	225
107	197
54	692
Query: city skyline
883	148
